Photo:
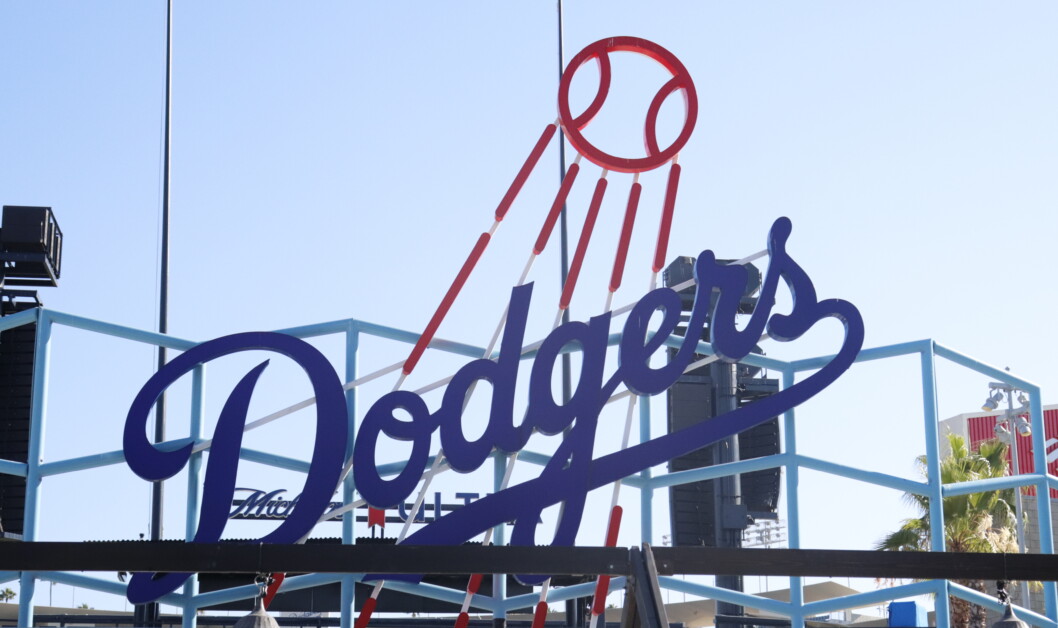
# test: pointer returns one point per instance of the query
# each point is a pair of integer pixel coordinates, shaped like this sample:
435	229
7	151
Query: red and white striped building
978	427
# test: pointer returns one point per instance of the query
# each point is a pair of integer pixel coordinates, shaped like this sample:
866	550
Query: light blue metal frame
790	460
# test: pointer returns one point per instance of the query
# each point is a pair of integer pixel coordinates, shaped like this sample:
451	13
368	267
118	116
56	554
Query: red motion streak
475	584
540	615
582	245
277	580
365	613
556	208
615	526
475	254
602	587
626	236
666	218
472	588
523	174
446	303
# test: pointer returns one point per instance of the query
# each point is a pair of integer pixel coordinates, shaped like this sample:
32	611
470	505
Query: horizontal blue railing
725	595
870	598
10	467
991	603
861	475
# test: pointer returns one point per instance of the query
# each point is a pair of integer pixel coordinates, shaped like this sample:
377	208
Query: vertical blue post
1043	493
194	495
352	346
936	499
793	508
499	537
28	581
646	493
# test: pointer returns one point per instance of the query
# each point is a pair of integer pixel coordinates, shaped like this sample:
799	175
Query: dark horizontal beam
855	563
309	558
467	559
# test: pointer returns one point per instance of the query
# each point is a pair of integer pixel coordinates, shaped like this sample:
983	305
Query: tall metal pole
163	290
148	614
727	491
573	616
1016	468
567	385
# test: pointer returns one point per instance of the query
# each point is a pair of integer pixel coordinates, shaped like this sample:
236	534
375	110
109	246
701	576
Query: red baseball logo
572	126
600	52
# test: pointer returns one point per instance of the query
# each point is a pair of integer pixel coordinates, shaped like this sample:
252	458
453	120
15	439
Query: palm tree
978	522
7	595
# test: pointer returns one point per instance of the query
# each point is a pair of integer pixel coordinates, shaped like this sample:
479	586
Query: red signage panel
982	428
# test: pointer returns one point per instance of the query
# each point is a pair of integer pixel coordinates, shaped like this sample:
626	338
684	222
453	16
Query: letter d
502	374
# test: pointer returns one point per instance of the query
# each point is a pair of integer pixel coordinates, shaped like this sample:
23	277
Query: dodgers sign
574	469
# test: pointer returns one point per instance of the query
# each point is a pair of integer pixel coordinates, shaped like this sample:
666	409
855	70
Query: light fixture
258	618
993	401
1022	399
1001	431
1023	425
30	246
1009	619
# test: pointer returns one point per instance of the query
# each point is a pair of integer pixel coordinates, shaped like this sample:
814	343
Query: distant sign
260	505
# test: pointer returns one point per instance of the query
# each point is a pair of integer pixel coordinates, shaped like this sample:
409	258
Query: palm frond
976	522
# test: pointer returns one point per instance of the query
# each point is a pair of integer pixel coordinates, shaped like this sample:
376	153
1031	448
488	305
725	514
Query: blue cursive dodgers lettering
572	471
151	463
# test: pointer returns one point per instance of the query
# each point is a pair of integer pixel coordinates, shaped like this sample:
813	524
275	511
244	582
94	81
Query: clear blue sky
333	160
